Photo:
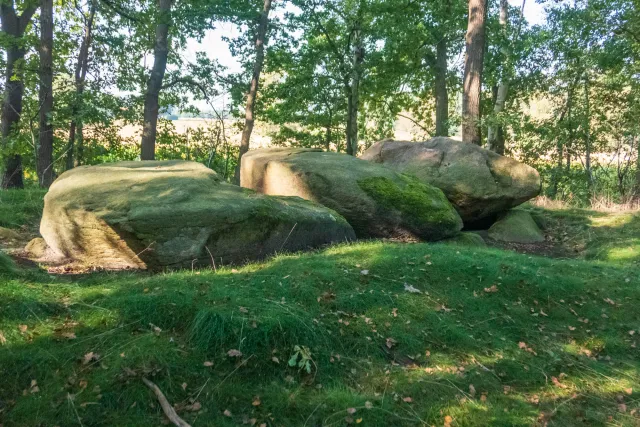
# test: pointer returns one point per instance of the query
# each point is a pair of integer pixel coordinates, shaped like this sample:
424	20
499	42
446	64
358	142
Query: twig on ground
166	406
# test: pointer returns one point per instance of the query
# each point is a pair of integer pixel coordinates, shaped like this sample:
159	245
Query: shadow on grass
506	324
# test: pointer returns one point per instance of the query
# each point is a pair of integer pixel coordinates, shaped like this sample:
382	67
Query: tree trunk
82	66
354	99
587	134
154	84
249	110
45	96
636	189
440	88
473	65
13	26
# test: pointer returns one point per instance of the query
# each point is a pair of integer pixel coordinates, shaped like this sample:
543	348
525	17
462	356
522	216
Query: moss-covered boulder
466	239
516	226
376	201
174	213
478	182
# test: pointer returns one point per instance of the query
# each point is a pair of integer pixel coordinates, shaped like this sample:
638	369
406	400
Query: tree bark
587	134
636	189
14	27
440	88
82	66
154	84
493	141
44	151
354	98
473	66
250	107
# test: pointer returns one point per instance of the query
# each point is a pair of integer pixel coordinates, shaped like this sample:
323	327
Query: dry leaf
227	413
472	390
68	335
275	359
411	289
234	353
256	401
447	421
207	364
407	399
391	342
492	289
90	357
196	406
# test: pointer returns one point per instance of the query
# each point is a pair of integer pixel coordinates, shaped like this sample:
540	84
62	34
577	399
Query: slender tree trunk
45	96
82	66
473	66
587	133
154	84
440	88
13	26
354	99
253	89
349	94
636	189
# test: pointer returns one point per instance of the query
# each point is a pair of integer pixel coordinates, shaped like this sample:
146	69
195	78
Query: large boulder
516	226
173	213
478	182
376	201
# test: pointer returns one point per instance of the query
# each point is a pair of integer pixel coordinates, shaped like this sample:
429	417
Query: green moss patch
420	205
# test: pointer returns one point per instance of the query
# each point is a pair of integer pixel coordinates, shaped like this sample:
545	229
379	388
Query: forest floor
380	334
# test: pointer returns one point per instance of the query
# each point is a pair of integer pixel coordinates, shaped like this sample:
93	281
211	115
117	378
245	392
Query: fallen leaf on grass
411	289
90	357
391	342
256	401
407	399
196	406
207	364
234	353
68	335
227	413
557	383
492	289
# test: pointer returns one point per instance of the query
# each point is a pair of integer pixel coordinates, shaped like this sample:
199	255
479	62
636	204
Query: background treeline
335	74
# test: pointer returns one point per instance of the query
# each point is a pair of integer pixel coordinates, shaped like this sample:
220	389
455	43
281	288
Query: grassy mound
380	334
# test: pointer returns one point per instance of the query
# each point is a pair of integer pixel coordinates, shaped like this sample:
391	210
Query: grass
491	338
595	235
21	208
